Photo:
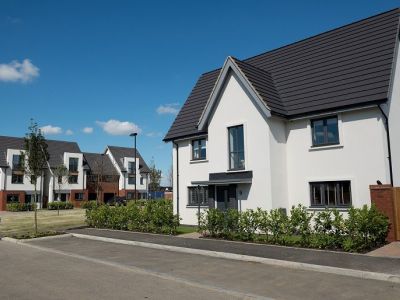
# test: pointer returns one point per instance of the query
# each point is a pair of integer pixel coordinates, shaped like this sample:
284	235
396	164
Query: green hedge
363	229
20	206
59	205
145	216
89	204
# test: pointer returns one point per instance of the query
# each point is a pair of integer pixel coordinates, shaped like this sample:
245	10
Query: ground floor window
198	195
92	196
330	194
12	198
78	196
63	197
129	195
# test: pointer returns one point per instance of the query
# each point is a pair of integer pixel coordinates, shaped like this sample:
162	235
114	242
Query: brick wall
77	202
3	198
383	197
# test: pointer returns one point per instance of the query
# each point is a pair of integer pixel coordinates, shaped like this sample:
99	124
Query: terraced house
314	122
90	176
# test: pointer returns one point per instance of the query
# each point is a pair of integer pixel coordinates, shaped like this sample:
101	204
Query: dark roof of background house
345	67
56	149
99	163
120	152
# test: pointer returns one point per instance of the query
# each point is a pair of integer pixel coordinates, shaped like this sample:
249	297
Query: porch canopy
227	178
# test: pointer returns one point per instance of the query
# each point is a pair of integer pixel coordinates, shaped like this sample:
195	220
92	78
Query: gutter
388	143
177	178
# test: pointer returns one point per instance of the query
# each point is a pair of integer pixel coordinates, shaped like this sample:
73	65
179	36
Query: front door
222	197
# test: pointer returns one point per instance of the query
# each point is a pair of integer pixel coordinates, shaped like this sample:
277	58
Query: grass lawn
186	229
19	223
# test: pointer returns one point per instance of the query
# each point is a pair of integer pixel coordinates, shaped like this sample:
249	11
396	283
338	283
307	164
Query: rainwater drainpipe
388	143
177	178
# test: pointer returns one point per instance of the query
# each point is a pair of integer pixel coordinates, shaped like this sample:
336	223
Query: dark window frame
79	196
130	163
325	128
132	179
198	146
194	193
14	176
72	167
324	202
15	199
71	181
17	163
230	151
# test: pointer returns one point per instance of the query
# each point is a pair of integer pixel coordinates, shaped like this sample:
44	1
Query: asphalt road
72	268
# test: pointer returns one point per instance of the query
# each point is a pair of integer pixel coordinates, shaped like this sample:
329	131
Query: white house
315	122
132	176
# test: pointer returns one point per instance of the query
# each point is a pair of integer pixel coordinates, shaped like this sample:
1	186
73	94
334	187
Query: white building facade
254	145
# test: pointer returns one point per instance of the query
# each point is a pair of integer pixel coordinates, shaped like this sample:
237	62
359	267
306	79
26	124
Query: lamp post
134	137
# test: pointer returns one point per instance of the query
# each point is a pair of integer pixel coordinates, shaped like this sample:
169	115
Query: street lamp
134	134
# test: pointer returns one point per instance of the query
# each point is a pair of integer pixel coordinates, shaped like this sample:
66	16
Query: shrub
148	216
59	205
300	223
89	204
366	228
15	207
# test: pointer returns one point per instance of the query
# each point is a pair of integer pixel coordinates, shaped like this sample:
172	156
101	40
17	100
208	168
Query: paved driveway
73	268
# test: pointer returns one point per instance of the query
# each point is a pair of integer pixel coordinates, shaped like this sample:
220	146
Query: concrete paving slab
391	250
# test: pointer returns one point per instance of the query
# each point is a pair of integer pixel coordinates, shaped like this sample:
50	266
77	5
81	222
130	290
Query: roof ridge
310	37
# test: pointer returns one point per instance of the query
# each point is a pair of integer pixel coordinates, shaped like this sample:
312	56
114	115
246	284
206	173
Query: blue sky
116	66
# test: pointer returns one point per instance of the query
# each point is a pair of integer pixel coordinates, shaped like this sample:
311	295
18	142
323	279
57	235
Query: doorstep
300	256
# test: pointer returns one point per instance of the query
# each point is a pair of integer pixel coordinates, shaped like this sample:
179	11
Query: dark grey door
222	197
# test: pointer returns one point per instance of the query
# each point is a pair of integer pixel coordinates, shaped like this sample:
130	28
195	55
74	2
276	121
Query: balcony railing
104	178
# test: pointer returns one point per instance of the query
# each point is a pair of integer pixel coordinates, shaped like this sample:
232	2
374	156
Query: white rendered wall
360	157
72	186
2	174
394	121
26	185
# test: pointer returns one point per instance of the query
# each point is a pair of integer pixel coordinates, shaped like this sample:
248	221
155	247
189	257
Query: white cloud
153	134
115	127
16	71
87	130
49	129
171	108
69	132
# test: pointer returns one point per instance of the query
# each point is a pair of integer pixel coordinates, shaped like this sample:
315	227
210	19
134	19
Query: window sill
236	170
317	148
323	208
198	161
196	206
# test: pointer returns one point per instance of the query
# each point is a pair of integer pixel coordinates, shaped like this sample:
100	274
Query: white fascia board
230	65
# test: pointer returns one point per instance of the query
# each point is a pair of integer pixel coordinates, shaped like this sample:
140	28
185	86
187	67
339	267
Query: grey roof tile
120	152
55	148
99	163
344	67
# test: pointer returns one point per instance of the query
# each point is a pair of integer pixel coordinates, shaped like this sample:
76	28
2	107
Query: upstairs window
73	164
325	131
330	194
236	148
17	178
73	179
16	162
131	167
132	179
198	195
141	180
199	150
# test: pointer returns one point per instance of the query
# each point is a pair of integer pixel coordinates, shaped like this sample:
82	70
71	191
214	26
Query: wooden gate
396	210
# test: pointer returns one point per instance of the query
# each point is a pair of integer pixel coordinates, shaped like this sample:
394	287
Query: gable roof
345	67
100	163
55	148
254	88
120	152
